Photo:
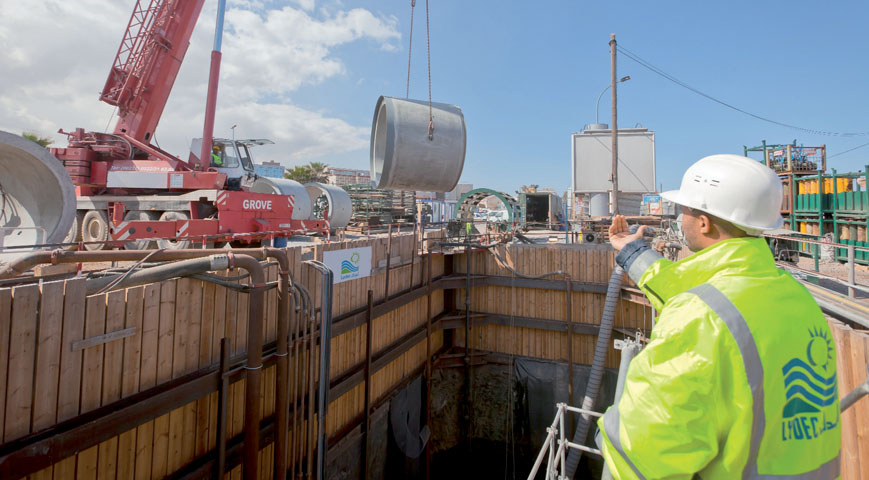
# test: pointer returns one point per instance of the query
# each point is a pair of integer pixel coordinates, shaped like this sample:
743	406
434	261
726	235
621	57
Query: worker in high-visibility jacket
217	155
738	379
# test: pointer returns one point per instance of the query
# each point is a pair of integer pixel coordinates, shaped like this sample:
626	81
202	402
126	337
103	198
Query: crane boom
147	62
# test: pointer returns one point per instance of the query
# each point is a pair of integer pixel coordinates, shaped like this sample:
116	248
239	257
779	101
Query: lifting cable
428	63
409	48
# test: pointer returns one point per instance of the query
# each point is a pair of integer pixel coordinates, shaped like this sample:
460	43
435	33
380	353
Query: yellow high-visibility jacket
738	379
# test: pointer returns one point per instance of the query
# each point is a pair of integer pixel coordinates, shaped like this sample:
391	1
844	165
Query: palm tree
36	138
318	171
301	174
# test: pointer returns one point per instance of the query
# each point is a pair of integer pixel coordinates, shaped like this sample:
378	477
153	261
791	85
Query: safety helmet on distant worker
735	189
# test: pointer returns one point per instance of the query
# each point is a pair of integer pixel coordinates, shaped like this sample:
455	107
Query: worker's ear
704	224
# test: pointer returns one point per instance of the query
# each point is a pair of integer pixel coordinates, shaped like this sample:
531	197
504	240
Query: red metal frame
247	217
147	63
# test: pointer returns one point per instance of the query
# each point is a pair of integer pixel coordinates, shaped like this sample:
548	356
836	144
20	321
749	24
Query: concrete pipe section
333	200
469	202
37	197
406	155
282	186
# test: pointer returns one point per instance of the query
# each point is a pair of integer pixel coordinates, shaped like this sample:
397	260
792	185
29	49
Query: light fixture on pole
233	130
597	108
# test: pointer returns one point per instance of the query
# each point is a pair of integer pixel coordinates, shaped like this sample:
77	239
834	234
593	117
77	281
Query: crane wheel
172	244
139	215
95	228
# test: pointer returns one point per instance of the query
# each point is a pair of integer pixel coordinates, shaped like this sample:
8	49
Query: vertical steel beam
222	403
428	367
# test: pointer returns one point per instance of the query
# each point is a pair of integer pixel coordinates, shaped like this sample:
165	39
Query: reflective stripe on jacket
738	379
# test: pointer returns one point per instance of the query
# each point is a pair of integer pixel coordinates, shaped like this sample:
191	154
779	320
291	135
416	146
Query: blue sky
527	74
307	73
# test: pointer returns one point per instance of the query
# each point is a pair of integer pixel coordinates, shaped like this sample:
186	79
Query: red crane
150	194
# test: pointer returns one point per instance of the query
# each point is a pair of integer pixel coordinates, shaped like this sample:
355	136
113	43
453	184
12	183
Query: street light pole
615	129
233	131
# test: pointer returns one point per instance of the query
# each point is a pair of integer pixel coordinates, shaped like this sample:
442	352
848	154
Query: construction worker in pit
217	155
739	378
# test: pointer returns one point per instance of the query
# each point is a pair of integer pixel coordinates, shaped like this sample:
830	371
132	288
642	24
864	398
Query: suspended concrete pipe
282	186
338	204
37	197
410	153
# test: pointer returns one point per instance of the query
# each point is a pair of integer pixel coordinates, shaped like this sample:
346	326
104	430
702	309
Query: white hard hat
736	189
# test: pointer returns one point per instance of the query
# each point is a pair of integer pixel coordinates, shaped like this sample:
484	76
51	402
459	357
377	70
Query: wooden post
368	324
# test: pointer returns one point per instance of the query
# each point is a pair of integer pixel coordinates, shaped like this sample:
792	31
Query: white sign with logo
349	263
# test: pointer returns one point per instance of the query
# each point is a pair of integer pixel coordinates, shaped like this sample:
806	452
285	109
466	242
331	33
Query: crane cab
233	158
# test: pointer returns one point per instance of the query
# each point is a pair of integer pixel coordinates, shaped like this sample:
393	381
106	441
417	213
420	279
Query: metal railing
557	448
851	249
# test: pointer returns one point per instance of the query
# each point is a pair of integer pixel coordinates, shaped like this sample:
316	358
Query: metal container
591	157
281	186
339	206
37	197
407	155
599	205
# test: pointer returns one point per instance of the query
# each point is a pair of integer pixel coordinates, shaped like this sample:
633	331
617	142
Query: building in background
269	169
347	176
591	169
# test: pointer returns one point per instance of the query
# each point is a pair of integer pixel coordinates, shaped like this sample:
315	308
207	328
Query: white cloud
56	56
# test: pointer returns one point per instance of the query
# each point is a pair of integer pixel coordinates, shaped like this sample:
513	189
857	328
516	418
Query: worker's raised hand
620	234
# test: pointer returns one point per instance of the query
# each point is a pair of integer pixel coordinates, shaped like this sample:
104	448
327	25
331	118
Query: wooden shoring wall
592	263
852	356
584	263
174	328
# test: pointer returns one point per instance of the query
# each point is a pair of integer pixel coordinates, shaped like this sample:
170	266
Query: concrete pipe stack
37	197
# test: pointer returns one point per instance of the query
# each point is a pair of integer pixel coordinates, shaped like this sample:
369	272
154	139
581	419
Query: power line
846	151
682	84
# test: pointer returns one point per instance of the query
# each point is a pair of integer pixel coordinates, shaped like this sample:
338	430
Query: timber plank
192	353
5	326
183	294
48	356
858	375
219	332
130	378
113	356
165	350
148	376
47	363
849	454
22	347
206	342
69	383
92	367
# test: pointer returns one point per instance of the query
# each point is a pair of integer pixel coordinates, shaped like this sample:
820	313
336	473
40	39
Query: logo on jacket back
811	391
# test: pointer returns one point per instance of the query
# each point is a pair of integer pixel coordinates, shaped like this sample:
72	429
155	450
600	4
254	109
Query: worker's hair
721	224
